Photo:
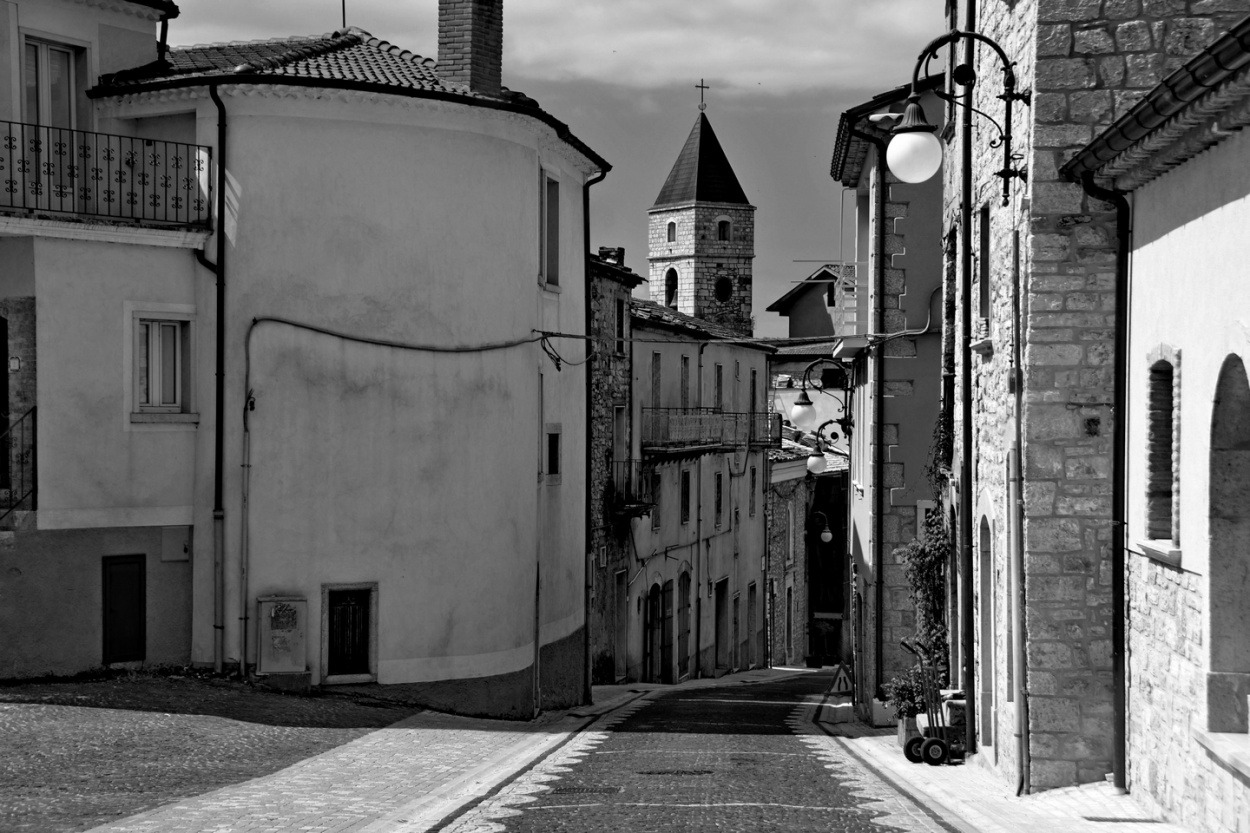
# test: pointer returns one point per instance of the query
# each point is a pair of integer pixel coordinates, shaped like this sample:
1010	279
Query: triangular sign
841	681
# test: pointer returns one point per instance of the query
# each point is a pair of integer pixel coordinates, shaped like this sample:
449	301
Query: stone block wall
609	384
701	261
1086	62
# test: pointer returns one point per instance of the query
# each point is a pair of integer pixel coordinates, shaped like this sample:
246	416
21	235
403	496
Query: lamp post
826	534
915	155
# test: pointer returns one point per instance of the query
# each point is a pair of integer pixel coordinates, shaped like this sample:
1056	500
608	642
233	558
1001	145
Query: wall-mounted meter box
283	635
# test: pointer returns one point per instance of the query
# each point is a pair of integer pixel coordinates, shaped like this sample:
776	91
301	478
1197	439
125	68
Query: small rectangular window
754	390
718	392
685	497
983	297
162	364
553	456
620	326
720	484
655	499
551	231
685	381
655	380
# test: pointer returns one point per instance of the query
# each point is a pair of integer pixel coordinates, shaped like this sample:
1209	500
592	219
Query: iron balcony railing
632	484
671	428
54	170
17	471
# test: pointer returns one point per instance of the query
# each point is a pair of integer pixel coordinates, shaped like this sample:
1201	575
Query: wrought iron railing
60	171
632	484
17	444
696	427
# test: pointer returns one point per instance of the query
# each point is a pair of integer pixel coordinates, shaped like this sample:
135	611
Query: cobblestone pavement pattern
734	758
76	754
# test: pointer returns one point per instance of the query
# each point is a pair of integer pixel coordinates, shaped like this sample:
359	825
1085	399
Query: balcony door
45	146
48	85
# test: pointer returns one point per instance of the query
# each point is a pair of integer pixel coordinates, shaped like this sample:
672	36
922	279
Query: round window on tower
724	289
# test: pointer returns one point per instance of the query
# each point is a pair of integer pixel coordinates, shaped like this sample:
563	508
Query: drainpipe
1015	542
1118	466
587	695
701	552
965	378
878	476
219	270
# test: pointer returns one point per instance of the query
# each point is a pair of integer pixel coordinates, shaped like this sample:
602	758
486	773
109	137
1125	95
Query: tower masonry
701	236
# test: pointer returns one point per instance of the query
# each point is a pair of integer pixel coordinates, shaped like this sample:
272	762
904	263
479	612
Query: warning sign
841	681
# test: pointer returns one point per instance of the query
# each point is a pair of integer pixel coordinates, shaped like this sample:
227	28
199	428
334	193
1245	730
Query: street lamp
816	462
915	152
826	534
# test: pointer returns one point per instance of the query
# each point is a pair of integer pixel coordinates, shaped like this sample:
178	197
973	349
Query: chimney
470	43
612	254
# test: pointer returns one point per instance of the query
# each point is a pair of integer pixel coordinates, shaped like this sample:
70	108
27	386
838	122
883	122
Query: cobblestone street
721	758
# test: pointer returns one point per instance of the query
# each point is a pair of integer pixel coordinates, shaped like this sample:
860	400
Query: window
553	455
685	382
718	390
789	534
620	326
672	232
723	289
1161	470
685	496
724	231
162	365
550	238
655	499
751	499
48	84
983	297
754	390
670	288
655	380
720	495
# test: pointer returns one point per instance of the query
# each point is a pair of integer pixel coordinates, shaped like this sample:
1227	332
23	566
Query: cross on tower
701	87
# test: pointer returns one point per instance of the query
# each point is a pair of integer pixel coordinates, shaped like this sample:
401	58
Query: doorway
683	625
666	633
349	632
988	602
125	608
722	623
751	632
621	632
651	640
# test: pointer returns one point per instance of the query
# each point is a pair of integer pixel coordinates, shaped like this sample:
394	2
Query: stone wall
609	387
702	261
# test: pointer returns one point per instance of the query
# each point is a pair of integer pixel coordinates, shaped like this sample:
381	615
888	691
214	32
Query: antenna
344	14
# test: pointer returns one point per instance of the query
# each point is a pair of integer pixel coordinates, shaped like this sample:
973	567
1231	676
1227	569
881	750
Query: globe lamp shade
803	414
816	463
915	152
826	535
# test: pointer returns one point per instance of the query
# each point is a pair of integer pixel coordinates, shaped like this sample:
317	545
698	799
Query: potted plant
905	695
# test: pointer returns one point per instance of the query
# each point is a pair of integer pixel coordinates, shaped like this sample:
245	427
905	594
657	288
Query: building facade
299	517
1038	639
887	321
1178	168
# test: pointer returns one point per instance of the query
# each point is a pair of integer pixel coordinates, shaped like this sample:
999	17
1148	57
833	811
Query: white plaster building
396	235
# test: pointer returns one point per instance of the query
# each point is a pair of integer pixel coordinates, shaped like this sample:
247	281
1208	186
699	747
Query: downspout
219	513
700	552
878	457
587	695
1123	222
1015	542
965	378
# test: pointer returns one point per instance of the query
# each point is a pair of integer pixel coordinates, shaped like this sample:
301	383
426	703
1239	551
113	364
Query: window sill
140	418
349	679
550	287
984	346
1164	551
1232	749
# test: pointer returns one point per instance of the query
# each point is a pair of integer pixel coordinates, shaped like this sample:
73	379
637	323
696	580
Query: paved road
741	757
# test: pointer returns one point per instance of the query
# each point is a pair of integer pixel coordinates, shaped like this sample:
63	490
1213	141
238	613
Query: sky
622	75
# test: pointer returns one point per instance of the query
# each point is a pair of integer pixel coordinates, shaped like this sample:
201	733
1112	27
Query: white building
390	452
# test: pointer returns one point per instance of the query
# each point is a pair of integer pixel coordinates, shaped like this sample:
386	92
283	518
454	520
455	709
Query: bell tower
701	235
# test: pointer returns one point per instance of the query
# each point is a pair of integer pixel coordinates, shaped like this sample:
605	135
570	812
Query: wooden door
348	634
722	624
666	633
125	608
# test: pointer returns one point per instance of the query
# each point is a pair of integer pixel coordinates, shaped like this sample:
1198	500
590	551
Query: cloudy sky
622	75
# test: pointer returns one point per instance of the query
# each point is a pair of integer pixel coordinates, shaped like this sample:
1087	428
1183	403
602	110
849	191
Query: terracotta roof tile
650	311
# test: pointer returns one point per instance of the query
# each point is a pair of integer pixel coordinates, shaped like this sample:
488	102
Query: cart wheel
911	749
933	751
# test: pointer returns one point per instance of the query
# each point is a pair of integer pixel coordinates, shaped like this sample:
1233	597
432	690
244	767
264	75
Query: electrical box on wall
283	635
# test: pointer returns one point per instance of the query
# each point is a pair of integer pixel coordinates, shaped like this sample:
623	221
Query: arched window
724	230
670	288
1161	481
1229	551
672	232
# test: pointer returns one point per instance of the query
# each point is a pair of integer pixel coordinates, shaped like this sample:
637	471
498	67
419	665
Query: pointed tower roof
701	172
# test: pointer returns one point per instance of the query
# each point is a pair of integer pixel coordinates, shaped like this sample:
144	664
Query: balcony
121	179
630	493
675	429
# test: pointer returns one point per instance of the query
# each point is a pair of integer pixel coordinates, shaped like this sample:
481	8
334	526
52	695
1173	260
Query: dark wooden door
722	623
348	632
125	608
